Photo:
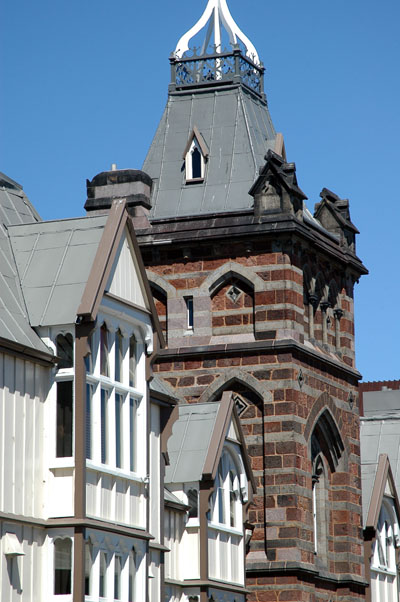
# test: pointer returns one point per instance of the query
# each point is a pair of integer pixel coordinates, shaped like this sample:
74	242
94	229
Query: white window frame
189	162
127	393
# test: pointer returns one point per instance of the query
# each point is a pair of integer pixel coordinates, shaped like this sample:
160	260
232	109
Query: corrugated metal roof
54	260
15	208
189	442
238	131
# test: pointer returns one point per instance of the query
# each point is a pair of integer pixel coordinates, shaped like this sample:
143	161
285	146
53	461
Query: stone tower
255	295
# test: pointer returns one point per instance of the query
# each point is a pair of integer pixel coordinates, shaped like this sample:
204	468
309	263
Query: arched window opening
195	156
119	342
319	508
65	351
62	566
326	452
232	306
104	363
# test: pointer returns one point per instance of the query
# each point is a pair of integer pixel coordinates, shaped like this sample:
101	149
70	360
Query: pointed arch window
384	576
227	500
195	156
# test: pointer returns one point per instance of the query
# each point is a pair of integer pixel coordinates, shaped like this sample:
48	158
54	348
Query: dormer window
195	157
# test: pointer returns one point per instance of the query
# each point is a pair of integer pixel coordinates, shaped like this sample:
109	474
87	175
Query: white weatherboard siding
22	390
225	555
21	577
125	281
115	498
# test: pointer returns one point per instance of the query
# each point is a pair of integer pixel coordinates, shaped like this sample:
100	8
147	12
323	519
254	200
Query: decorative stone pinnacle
216	15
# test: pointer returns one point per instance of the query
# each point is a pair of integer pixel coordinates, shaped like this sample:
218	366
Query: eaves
240	226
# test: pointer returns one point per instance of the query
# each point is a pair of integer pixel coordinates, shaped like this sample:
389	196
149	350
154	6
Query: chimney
132	185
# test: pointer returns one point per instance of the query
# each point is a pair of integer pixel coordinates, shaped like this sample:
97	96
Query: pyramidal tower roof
216	129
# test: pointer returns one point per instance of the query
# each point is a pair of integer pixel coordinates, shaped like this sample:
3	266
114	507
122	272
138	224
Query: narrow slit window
64	419
189	313
62	566
103	418
118	430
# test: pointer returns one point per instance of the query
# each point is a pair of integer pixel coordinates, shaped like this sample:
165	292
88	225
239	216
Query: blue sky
84	84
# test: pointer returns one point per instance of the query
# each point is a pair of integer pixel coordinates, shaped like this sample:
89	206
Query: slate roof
189	443
52	267
380	434
15	208
238	131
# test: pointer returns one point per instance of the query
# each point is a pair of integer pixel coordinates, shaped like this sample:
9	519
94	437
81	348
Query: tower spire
216	15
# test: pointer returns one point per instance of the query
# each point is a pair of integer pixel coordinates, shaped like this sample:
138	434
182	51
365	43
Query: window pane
132	434
88	356
132	570
103	575
196	163
117	577
189	312
193	503
232	500
103	411
118	356
64	419
118	430
62	566
88	568
104	369
88	421
65	350
132	361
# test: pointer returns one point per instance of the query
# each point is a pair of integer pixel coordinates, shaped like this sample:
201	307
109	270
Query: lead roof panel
189	443
55	265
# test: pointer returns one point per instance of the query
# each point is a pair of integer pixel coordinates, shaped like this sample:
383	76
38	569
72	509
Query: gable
125	280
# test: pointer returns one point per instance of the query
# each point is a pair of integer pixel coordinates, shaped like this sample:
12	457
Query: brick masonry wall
285	392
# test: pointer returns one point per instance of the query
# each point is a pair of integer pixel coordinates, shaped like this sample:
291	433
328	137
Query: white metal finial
221	16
